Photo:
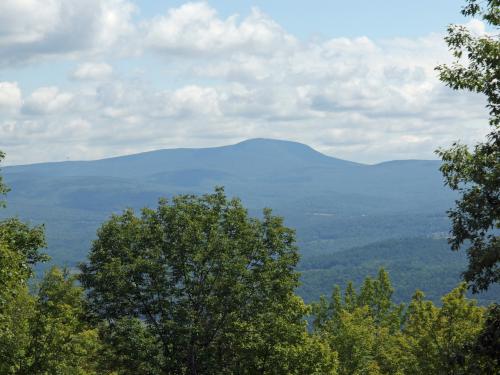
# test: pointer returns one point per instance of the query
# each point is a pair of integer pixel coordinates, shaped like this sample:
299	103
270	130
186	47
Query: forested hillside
350	218
196	286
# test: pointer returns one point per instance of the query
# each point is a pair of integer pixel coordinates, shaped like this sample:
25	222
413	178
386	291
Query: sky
82	80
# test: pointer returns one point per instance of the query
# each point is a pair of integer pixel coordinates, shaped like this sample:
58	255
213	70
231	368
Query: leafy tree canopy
211	286
60	339
372	335
475	173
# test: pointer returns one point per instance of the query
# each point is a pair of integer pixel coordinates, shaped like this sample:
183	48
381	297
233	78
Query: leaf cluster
372	335
476	173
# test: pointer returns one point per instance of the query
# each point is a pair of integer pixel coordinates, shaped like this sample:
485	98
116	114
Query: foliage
362	327
43	333
438	337
198	287
46	333
60	340
327	203
26	241
372	335
476	173
21	245
16	309
213	286
129	347
487	346
19	250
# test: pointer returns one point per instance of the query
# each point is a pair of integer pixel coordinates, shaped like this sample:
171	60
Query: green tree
487	346
16	309
363	328
130	347
26	241
375	294
21	246
19	251
61	342
476	173
372	335
418	328
214	287
440	338
42	334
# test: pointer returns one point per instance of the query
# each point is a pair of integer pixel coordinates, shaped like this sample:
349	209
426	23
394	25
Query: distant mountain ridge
335	205
266	154
265	162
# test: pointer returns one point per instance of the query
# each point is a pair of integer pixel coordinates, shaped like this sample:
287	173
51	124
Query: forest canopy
196	286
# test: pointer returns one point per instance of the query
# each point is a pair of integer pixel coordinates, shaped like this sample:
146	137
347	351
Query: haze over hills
257	157
266	163
350	218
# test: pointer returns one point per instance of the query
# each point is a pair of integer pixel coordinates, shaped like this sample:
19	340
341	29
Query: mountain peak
288	152
259	156
271	142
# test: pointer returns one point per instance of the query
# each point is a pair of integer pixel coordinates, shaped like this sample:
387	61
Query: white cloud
92	71
476	27
194	100
10	97
196	28
47	100
27	21
218	81
34	29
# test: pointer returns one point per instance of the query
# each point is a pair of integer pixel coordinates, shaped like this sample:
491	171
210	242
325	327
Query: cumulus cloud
47	100
193	100
28	21
196	28
92	71
34	29
219	80
10	97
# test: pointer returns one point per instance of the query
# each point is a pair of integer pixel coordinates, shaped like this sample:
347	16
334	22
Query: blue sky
377	19
86	80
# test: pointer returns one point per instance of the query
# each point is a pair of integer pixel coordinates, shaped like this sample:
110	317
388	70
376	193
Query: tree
487	346
44	333
476	173
61	342
22	244
16	308
212	287
130	348
363	328
26	241
372	335
440	338
19	251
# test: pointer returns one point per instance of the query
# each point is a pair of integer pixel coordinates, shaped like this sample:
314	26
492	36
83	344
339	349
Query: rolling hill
365	215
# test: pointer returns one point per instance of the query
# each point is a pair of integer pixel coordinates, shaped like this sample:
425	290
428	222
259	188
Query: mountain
337	207
254	157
